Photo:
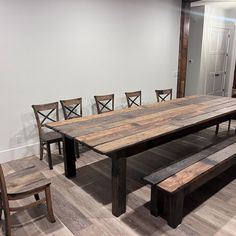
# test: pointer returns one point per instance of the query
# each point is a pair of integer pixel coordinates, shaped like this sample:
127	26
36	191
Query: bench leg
157	201
217	129
173	209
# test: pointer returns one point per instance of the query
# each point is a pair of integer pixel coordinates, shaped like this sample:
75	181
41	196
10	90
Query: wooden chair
163	95
133	98
23	184
72	108
44	113
104	103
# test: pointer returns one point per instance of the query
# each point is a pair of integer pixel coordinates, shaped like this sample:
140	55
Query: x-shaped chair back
45	113
104	103
72	108
133	98
163	95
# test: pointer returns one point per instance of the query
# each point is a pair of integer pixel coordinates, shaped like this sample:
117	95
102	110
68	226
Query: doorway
211	51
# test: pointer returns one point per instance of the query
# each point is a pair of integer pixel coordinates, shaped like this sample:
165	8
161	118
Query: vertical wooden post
234	84
118	185
183	48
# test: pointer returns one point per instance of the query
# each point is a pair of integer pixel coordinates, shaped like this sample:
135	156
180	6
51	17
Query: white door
217	58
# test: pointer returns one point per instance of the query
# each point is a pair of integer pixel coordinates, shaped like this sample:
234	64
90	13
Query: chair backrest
104	103
3	189
163	95
45	113
71	108
133	98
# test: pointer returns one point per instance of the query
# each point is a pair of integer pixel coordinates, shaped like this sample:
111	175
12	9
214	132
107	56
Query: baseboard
19	152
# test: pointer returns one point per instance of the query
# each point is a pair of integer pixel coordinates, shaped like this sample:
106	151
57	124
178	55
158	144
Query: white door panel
217	60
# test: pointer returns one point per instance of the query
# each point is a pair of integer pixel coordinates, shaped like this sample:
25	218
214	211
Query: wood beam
183	48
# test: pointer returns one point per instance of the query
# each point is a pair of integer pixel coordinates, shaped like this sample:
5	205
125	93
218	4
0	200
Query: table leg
69	157
118	185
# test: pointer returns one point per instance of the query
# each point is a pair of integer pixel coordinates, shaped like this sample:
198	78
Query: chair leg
6	209
7	223
41	150
59	147
49	156
217	129
51	217
77	154
36	196
229	125
1	208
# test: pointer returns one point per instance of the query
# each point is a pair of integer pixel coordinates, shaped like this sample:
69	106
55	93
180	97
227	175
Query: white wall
194	50
52	50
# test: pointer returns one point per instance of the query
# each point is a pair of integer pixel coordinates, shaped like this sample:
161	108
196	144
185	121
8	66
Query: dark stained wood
23	184
173	208
157	201
234	83
45	113
165	173
69	156
127	132
118	185
191	177
183	48
133	98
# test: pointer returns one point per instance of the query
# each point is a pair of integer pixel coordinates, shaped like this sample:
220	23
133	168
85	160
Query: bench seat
167	194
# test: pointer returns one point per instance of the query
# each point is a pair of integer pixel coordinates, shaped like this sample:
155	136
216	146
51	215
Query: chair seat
51	136
25	180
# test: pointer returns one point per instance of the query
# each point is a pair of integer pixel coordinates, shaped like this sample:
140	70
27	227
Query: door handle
217	74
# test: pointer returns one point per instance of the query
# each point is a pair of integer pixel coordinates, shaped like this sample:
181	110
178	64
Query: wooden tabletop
112	131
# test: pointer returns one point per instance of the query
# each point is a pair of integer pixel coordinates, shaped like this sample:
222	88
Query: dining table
125	132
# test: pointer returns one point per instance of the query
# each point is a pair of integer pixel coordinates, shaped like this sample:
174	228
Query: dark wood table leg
69	157
118	185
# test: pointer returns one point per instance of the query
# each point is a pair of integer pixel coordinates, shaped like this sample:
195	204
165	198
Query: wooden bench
171	184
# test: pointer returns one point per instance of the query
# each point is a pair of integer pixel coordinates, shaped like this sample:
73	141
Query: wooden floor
82	205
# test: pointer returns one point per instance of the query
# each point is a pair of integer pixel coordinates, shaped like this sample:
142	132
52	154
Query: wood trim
183	48
234	83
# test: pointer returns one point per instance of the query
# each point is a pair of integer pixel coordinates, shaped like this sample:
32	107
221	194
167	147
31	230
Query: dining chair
163	94
104	103
72	108
45	113
23	184
133	98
